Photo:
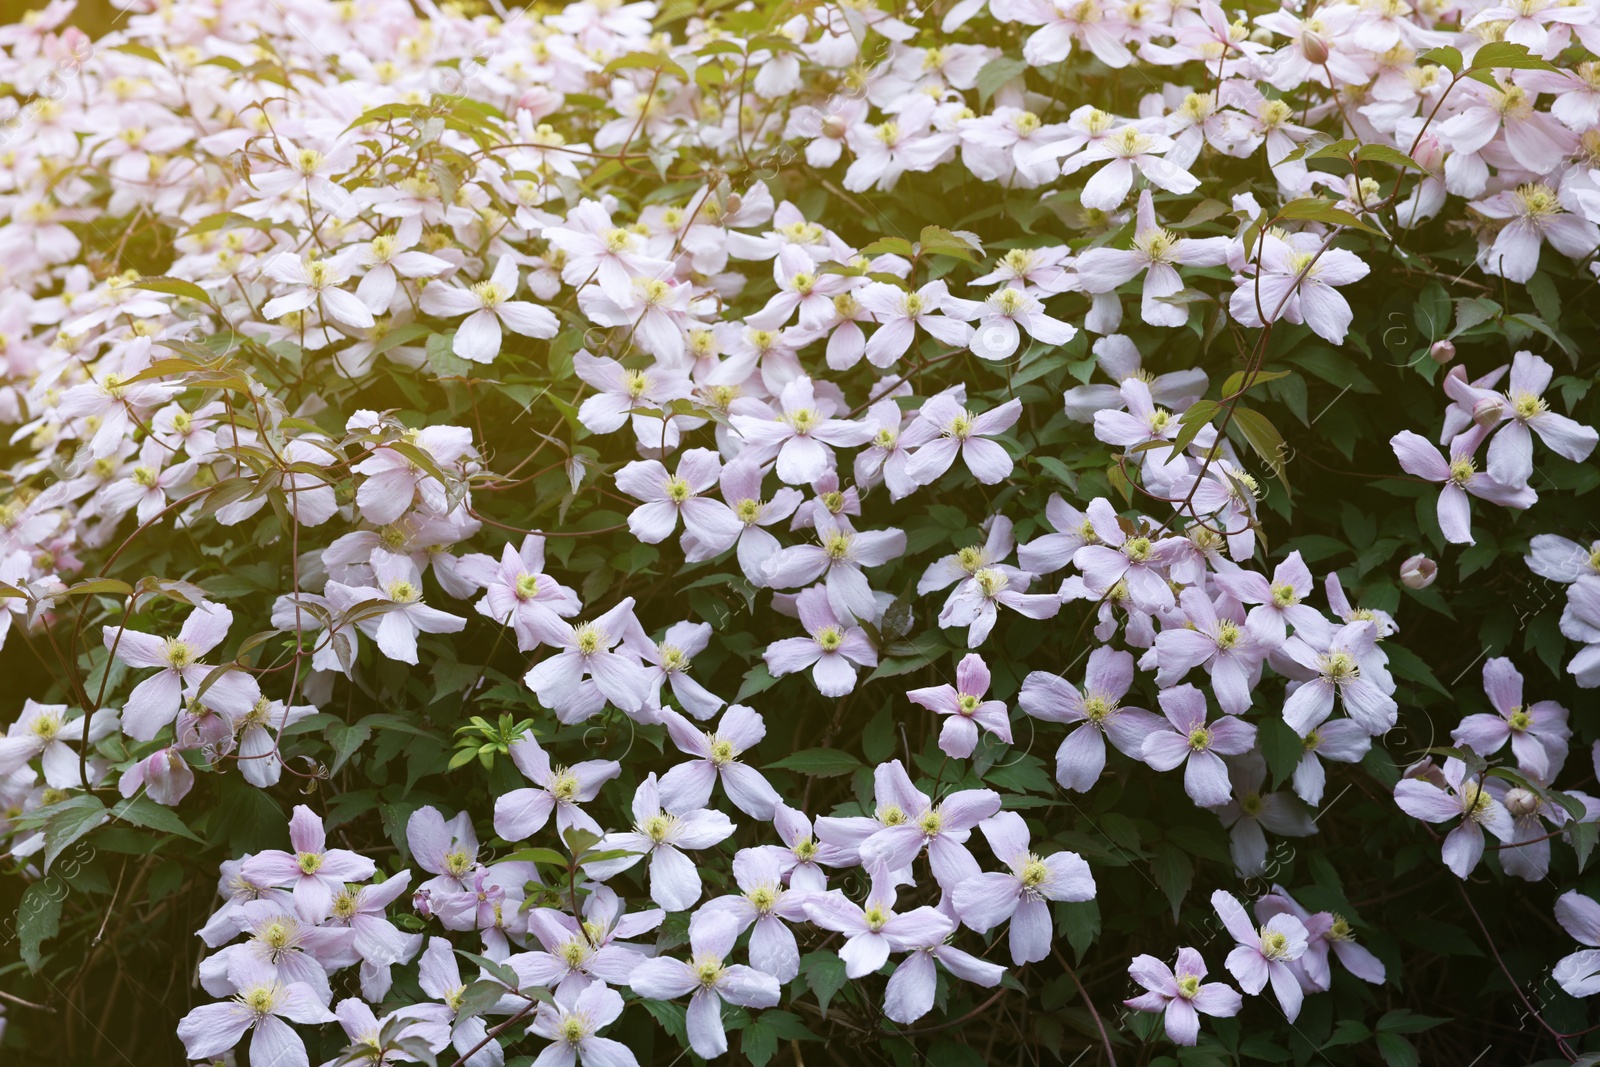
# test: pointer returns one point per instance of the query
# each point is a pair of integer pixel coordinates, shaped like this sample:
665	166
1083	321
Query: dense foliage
1013	531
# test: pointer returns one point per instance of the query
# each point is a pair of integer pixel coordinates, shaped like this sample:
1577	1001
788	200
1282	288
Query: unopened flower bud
1442	352
1429	153
1488	411
1520	802
1314	48
1418	572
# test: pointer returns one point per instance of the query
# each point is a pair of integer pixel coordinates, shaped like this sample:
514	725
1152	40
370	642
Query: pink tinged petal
212	1029
1081	759
988	462
1425	801
478	337
153	704
1182	1022
1455	515
1418	457
706	1035
1286	987
1205	779
1463	848
1031	932
1248	967
863	954
661	978
909	994
988	900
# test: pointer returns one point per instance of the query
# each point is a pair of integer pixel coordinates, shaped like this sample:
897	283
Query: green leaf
647	61
996	73
67	821
938	241
1382	153
142	811
756	680
173	287
1503	54
1264	438
1408	665
1402	1021
498	971
39	918
1281	746
824	973
818	762
536	855
1396	1050
1316	209
1473	311
1236	380
1447	57
1174	873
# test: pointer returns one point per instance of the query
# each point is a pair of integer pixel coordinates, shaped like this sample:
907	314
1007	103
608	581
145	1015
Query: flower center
1284	595
527	586
677	490
1340	667
1227	634
931	823
403	592
1462	470
1137	549
310	862
588	639
891	816
177	654
458	862
722	752
829	638
1199	739
748	511
563	784
657	827
1274	945
1034	872
968	704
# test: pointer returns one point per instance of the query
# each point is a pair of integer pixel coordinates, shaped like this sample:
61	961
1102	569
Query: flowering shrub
831	531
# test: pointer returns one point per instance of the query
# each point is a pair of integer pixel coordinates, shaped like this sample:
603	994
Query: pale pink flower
488	305
1264	955
715	757
1538	732
710	526
944	430
711	981
966	708
521	813
1020	894
1186	737
314	872
833	650
1460	477
1436	796
1181	994
663	835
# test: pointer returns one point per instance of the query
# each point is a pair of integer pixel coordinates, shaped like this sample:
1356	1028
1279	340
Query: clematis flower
1298	281
715	757
261	1003
1325	930
1128	149
314	872
944	430
1253	811
1181	994
875	930
518	593
838	558
966	708
163	776
1223	646
439	975
833	651
986	900
1538	732
405	615
1579	973
585	672
521	813
710	526
1186	737
1278	603
1125	554
1522	408
1097	710
668	662
1339	740
1156	253
1336	659
1000	316
154	702
42	731
574	956
315	281
660	835
764	906
572	1025
710	980
801	436
941	828
1436	796
488	305
910	991
1264	955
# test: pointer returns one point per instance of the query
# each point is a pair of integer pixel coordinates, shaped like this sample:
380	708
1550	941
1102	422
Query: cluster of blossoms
347	230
